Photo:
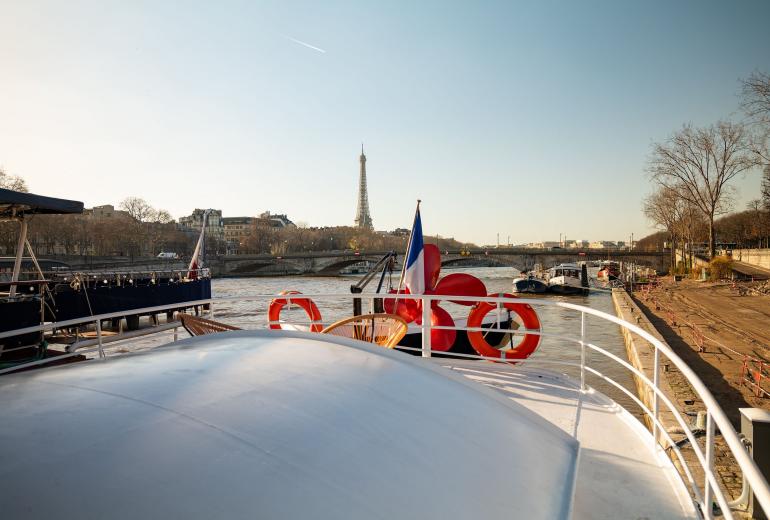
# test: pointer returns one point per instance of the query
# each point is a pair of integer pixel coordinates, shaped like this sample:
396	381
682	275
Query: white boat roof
274	424
621	473
565	266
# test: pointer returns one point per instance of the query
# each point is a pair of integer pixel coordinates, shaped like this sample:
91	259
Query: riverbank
719	330
674	385
716	328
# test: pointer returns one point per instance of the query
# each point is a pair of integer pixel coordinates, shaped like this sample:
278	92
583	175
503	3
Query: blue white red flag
414	278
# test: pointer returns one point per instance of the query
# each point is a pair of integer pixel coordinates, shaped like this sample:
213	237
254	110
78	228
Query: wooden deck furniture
200	326
385	330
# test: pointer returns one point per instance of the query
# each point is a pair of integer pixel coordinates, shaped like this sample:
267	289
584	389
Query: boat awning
15	203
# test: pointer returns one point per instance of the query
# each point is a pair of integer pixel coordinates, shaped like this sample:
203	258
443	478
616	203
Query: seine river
555	320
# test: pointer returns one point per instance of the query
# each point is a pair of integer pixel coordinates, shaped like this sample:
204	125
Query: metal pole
656	383
99	338
582	351
19	254
707	491
426	315
406	258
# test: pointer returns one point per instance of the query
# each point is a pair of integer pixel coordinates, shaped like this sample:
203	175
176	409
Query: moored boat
529	285
31	298
568	279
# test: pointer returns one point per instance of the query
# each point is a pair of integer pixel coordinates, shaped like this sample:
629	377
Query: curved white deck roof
271	424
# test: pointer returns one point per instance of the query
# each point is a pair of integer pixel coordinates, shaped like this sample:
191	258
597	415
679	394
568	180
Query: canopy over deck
16	203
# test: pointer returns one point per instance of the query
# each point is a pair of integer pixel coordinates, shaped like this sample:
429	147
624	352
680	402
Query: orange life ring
529	318
308	305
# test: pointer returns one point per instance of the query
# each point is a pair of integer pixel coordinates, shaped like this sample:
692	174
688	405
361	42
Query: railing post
176	333
582	351
655	384
99	338
211	310
709	469
426	329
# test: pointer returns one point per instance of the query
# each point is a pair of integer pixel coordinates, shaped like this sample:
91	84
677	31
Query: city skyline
194	216
525	120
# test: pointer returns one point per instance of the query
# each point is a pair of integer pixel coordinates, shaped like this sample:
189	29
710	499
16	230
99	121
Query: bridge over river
330	263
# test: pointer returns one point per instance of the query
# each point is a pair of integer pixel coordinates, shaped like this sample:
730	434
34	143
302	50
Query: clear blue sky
523	119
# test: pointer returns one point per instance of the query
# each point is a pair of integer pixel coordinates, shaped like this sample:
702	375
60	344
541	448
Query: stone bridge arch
266	267
330	263
474	261
337	264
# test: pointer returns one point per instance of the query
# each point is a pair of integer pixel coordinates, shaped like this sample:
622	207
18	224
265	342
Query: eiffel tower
363	218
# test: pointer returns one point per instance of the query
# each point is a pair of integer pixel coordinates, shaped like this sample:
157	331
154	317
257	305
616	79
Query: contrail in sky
306	44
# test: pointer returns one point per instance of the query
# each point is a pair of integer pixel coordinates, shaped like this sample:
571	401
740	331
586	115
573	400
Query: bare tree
765	187
664	208
699	163
12	182
162	216
138	209
756	97
756	104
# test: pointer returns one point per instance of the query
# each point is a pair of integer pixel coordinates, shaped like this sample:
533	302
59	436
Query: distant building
577	244
276	221
237	229
603	244
107	211
215	228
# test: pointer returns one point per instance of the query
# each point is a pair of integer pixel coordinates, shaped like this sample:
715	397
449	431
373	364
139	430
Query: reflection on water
556	321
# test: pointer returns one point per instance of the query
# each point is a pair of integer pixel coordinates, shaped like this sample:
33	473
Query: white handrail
716	417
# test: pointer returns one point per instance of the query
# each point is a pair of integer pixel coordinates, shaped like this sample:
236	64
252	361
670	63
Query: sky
522	120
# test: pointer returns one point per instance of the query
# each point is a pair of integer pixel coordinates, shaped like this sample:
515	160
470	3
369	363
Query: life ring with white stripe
308	305
529	318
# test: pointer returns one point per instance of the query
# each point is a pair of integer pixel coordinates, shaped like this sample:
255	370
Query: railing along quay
704	493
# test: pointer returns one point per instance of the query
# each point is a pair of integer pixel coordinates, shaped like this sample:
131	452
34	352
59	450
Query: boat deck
620	474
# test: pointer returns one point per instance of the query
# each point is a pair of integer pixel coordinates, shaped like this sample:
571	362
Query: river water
555	320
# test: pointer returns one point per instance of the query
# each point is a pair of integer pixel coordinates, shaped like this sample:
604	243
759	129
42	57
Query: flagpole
406	256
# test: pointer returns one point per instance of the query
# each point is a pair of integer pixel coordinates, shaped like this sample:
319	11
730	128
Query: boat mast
199	247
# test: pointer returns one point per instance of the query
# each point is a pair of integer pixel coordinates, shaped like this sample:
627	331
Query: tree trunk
712	237
673	253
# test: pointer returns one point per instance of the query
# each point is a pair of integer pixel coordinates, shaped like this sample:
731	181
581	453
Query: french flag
414	278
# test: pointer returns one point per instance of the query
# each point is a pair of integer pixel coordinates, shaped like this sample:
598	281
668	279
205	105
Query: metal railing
703	493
